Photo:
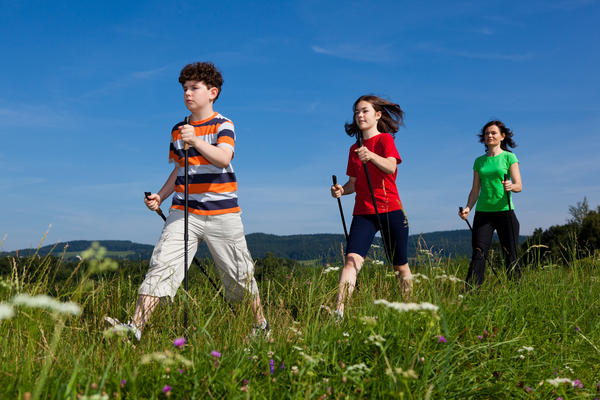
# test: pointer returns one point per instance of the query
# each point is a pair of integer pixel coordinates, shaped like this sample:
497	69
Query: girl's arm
386	165
338	190
514	183
473	196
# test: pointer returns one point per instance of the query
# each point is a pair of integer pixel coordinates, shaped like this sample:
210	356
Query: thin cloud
357	52
476	55
128	80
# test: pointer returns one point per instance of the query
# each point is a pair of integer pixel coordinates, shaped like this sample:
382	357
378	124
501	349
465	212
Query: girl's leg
395	233
507	226
348	279
481	240
362	232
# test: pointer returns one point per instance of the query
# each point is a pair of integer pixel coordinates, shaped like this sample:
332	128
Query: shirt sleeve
512	158
226	135
351	170
388	148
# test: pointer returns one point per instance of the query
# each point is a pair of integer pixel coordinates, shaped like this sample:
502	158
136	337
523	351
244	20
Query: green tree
589	236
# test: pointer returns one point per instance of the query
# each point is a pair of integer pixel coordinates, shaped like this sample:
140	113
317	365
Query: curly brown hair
508	134
203	72
392	116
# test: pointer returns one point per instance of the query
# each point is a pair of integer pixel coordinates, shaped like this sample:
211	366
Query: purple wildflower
528	389
282	366
166	389
441	339
123	382
577	383
245	382
179	342
215	354
479	337
576	328
181	371
271	366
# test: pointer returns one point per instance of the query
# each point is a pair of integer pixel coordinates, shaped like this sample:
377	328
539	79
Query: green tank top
491	170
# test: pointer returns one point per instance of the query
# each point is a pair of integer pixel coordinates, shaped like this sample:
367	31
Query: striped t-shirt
211	190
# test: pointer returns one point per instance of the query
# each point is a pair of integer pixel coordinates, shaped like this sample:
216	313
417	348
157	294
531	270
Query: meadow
537	338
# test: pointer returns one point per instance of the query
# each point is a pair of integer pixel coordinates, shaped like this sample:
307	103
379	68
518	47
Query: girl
491	192
375	122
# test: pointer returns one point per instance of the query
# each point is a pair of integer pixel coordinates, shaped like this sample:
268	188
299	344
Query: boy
214	214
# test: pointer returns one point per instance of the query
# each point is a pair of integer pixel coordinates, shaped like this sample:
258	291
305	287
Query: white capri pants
224	235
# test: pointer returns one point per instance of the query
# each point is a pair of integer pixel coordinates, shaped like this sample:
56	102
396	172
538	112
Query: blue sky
89	92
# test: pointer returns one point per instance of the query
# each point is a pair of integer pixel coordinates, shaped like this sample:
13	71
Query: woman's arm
473	196
514	183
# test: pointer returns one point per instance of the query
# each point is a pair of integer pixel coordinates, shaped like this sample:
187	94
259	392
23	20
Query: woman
375	122
491	191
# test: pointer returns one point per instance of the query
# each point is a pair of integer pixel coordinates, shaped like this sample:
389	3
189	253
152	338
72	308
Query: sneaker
338	315
263	330
132	329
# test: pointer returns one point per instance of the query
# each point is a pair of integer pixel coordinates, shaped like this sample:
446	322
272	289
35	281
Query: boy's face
197	96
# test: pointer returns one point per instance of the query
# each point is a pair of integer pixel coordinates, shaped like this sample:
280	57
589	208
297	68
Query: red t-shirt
384	185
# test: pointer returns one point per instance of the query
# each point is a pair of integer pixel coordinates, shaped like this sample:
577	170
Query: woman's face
365	115
492	136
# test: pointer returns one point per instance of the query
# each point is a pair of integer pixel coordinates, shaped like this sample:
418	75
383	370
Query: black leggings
507	226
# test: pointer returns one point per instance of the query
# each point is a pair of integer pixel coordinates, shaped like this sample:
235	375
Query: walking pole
387	253
195	260
512	229
334	178
466	220
185	228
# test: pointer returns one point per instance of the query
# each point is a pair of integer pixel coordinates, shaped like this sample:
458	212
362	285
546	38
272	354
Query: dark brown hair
203	72
508	134
392	116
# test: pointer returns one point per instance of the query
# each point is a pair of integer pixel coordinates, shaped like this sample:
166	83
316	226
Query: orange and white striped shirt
212	190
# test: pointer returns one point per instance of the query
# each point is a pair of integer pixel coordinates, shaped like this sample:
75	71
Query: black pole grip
334	179
505	177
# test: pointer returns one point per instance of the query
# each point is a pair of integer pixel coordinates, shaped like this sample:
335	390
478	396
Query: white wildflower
460	297
528	349
367	320
330	269
118	330
6	311
43	301
408	374
450	278
357	369
403	307
378	262
96	396
558	381
346	334
166	358
377	340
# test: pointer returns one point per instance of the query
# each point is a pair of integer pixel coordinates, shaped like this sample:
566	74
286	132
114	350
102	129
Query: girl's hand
507	185
153	201
464	213
364	155
188	134
337	191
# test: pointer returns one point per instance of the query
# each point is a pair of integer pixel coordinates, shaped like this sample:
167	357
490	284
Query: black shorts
394	231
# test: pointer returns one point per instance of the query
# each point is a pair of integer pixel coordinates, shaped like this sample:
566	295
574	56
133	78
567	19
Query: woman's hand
508	185
464	213
337	191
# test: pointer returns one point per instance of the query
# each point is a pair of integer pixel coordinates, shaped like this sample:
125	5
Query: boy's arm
155	199
217	156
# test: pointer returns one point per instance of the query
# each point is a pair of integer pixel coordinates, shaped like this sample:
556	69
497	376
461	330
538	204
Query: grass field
536	339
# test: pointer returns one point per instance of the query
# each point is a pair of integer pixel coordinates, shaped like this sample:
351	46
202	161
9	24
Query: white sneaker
338	315
263	331
130	327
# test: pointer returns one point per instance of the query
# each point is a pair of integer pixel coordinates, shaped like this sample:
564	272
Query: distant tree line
578	238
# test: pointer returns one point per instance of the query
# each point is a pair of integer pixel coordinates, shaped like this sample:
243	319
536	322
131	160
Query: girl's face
365	115
493	136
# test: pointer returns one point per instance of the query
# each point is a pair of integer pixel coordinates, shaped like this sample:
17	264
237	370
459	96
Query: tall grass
505	339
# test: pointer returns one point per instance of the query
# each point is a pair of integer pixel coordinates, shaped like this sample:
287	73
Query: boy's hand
188	134
337	191
152	201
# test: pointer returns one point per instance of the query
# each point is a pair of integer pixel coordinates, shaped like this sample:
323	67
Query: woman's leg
348	279
507	226
481	240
